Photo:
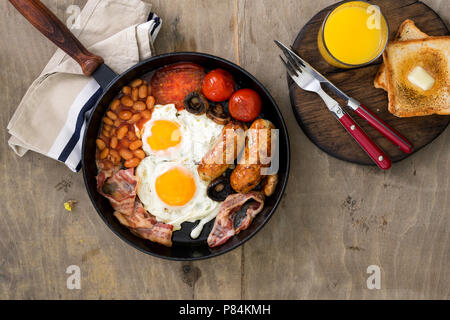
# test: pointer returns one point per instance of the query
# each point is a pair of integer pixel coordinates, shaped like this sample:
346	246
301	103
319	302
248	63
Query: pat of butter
421	78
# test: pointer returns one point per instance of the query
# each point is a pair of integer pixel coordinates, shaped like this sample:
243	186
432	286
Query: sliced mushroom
217	114
196	103
219	189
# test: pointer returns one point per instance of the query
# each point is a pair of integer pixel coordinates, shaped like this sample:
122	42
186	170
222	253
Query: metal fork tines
296	59
303	78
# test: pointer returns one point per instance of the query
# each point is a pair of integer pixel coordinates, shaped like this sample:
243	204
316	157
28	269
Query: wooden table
335	220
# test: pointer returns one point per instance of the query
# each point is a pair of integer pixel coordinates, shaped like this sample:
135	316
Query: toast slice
407	31
400	58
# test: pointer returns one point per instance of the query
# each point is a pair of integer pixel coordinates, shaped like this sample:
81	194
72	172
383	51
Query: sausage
269	184
221	156
247	175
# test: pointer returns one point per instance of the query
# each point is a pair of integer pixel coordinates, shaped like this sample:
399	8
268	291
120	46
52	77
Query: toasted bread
407	31
400	58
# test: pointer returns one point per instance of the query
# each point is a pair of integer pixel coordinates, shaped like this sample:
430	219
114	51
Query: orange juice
353	34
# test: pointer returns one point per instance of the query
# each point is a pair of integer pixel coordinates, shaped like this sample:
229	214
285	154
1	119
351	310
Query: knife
381	126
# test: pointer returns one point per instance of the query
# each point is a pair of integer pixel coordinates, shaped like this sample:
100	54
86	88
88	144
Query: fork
308	82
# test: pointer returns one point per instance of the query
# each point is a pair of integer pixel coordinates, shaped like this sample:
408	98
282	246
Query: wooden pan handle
51	27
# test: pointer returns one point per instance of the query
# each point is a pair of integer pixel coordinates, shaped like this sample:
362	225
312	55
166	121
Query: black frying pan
184	248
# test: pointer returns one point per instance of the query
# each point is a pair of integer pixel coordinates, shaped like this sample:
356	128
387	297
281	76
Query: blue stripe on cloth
87	109
78	167
157	23
80	120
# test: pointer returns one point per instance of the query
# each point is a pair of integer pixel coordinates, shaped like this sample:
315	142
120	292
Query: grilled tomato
173	83
245	105
218	85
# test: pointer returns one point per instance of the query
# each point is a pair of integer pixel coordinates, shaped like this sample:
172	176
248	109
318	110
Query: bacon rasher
235	214
145	225
120	189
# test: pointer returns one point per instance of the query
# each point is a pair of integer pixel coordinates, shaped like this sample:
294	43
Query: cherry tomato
245	105
218	85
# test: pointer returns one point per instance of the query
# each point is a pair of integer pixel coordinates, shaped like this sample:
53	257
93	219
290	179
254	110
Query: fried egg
178	135
174	193
169	185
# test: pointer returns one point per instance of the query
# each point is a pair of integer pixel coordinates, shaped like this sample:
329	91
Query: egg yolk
164	134
175	187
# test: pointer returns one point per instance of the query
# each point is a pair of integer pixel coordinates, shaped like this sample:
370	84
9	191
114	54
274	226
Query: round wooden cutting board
321	126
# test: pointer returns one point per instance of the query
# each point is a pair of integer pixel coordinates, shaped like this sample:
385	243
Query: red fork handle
374	152
382	127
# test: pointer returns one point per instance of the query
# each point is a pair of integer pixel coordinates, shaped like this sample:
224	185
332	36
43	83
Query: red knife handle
374	152
382	127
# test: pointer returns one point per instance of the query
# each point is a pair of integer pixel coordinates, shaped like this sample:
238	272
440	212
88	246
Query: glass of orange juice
354	34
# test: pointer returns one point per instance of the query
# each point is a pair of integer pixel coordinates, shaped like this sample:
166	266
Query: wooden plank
336	218
204	26
40	239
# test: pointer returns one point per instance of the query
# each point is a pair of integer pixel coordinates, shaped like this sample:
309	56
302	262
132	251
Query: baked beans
118	142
